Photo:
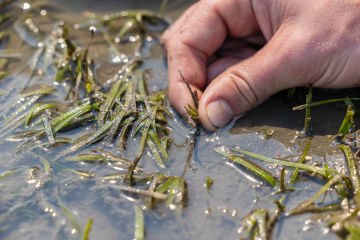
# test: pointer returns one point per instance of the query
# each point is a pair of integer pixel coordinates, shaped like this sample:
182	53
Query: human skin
237	53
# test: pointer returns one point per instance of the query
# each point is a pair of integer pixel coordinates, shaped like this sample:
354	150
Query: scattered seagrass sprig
194	120
192	111
126	109
122	110
130	26
76	67
258	224
341	217
128	106
156	188
133	21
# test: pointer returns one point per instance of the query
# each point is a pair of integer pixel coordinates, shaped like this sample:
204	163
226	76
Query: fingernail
219	113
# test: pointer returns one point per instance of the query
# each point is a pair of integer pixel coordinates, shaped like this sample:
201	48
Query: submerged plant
128	105
57	123
209	183
4	18
137	25
139	224
121	109
21	116
308	110
194	120
27	29
155	188
77	68
267	176
341	216
306	167
348	122
315	104
5	3
84	235
258	224
301	160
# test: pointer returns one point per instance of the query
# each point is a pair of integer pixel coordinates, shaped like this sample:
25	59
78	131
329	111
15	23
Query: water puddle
42	194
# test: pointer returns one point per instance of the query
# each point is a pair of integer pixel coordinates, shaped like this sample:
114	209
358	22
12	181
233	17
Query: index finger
197	39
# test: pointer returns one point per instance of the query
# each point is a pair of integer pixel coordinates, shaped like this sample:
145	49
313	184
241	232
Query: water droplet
43	12
225	210
234	213
25	6
307	228
116	59
92	29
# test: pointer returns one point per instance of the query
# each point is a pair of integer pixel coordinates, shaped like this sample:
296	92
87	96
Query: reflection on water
30	207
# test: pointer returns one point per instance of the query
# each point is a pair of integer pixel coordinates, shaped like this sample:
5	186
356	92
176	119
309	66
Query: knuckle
243	94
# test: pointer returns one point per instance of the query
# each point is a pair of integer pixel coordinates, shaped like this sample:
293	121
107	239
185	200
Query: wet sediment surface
29	198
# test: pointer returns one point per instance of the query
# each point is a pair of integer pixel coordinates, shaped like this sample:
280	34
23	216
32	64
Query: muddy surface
29	206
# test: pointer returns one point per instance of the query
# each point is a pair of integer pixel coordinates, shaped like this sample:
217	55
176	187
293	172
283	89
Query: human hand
313	42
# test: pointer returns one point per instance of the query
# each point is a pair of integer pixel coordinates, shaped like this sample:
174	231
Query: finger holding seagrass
306	44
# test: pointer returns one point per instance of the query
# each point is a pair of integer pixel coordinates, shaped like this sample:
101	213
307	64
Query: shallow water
29	208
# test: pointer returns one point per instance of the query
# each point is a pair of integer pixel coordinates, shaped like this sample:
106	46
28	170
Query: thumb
277	66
